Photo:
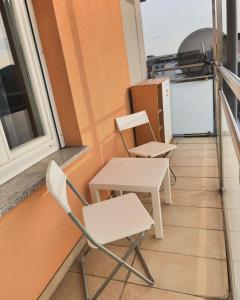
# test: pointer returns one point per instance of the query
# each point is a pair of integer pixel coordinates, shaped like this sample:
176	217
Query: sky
167	22
165	25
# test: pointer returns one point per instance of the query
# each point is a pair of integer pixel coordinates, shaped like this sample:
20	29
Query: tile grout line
178	189
184	254
193	206
209	207
98	276
193	177
177	292
181	149
194	227
194	166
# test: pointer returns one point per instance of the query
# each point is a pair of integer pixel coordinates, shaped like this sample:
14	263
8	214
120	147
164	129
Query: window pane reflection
18	112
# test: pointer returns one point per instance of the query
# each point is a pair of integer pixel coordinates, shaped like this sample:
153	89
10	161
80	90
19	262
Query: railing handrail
232	80
232	125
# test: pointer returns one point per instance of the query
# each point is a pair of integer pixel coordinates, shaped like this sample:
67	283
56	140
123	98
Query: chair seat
152	149
116	218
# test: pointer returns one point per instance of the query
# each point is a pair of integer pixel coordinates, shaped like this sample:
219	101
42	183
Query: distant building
172	65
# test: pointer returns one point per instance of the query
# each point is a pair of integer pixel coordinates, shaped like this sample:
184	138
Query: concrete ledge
24	184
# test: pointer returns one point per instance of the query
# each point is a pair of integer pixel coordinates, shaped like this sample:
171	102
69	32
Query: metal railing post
217	58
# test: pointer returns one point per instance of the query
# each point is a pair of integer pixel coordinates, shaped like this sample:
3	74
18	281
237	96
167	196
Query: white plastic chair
150	149
104	222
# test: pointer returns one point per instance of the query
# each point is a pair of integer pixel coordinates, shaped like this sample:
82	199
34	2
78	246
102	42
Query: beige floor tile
187	274
196	147
71	288
197	242
196	171
194	162
195	198
196	184
205	218
174	140
194	153
99	264
137	292
197	140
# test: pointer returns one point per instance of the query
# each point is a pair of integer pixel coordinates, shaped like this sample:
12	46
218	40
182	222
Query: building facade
85	47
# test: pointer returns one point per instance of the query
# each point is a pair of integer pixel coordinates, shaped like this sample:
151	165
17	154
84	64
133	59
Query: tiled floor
190	262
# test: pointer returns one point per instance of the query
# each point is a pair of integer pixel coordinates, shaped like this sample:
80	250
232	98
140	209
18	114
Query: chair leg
142	261
121	263
84	275
174	176
171	170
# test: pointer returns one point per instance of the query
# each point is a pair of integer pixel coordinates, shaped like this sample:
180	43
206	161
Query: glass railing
230	159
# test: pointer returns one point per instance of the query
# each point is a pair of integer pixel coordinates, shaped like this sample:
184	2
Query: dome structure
200	39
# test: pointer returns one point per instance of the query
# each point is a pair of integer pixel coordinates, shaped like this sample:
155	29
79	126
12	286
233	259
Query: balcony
190	261
87	70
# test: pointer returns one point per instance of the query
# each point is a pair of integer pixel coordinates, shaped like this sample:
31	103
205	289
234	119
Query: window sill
21	186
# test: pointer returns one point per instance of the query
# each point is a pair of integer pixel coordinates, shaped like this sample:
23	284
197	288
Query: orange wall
36	236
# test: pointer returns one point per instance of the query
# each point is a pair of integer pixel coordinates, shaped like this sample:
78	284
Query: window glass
18	112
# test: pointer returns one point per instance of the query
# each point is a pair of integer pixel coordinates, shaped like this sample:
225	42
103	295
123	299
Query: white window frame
14	161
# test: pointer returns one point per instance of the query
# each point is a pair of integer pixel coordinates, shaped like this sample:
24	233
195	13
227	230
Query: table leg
157	214
167	187
118	193
95	194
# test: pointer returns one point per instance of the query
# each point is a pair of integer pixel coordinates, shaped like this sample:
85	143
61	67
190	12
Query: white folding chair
150	149
104	222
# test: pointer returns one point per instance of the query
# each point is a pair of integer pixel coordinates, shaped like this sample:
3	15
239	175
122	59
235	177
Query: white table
136	175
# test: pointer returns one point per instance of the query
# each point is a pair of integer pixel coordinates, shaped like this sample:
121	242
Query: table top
126	173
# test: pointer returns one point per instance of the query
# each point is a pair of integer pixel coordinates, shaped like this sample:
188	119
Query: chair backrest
132	120
56	182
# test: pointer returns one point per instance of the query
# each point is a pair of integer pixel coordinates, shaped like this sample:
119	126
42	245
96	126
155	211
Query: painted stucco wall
134	41
84	47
